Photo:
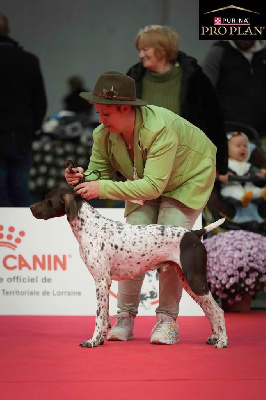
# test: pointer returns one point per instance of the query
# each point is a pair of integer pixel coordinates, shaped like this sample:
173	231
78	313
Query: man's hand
88	190
73	178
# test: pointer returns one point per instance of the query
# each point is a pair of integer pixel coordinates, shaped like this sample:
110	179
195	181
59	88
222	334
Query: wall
89	37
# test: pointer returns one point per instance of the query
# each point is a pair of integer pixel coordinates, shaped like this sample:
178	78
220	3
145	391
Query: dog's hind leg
212	311
193	259
216	317
102	314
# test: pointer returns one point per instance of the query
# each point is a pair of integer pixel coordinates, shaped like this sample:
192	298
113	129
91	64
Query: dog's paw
218	342
89	343
101	341
221	343
212	339
92	343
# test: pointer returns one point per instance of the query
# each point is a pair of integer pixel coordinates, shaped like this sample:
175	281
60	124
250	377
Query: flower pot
244	305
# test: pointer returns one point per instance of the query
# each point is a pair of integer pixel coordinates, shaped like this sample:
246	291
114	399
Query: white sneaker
123	327
165	331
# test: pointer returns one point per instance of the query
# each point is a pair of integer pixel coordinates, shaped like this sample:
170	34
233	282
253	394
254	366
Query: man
22	109
237	70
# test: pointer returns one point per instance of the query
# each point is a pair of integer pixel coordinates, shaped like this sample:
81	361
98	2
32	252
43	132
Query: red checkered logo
217	21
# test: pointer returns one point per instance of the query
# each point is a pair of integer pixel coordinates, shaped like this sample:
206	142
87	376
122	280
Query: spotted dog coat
112	250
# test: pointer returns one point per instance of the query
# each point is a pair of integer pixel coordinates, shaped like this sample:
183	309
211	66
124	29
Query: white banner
41	272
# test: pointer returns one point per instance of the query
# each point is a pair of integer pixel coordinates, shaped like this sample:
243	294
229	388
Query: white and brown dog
112	250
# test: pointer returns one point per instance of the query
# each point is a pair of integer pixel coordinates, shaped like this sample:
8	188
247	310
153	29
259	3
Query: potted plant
236	267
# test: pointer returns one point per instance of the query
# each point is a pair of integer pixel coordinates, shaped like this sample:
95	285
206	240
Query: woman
170	169
167	77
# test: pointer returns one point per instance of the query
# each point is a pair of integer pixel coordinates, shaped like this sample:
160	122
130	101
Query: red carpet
40	359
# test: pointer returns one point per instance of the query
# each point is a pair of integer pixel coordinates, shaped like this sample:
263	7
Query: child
242	194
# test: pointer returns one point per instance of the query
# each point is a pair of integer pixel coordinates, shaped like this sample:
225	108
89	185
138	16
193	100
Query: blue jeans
15	166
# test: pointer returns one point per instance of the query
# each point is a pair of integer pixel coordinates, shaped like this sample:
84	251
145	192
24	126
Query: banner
41	271
222	20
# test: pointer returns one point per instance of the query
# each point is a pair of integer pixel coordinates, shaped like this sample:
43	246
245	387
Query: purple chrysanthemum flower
236	264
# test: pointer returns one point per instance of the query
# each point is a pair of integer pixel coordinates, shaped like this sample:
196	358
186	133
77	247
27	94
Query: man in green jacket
169	167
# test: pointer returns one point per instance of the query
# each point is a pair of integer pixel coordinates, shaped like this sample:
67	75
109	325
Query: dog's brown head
57	202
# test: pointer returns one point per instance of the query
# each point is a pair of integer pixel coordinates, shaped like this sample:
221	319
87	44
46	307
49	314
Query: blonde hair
163	39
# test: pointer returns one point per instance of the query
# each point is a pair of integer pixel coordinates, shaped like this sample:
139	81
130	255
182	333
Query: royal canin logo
10	238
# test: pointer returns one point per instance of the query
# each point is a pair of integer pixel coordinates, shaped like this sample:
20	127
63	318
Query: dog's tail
214	225
209	228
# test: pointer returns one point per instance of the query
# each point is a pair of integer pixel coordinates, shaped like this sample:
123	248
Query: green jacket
173	158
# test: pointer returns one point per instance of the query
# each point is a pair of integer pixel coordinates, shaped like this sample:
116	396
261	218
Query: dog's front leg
102	314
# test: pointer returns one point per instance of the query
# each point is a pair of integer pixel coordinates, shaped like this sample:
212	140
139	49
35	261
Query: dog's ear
70	206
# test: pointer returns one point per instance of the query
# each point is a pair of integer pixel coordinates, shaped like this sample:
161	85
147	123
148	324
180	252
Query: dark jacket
73	102
199	104
22	93
240	85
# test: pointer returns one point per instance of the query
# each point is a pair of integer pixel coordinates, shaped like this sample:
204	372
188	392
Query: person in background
167	77
72	101
74	109
169	166
241	194
22	109
237	70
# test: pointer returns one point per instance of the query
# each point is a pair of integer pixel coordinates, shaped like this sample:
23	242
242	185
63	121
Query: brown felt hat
113	87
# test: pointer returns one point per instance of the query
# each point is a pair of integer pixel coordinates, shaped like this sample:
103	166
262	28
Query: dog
112	250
